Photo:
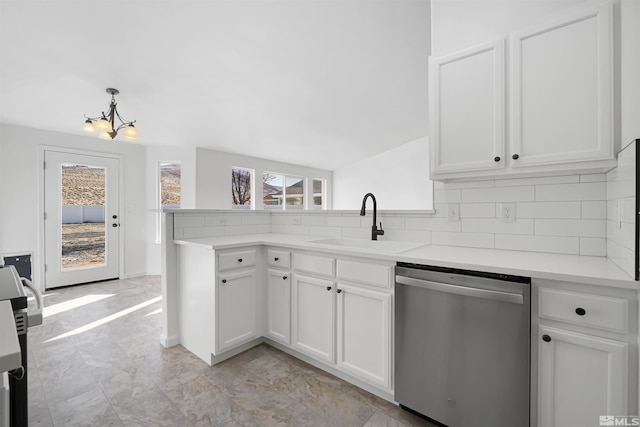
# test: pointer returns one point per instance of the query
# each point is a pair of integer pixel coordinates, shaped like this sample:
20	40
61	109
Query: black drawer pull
328	288
284	277
239	259
581	311
276	259
546	338
515	157
224	280
496	159
338	290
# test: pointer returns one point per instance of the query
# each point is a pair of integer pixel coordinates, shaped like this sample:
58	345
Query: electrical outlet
508	212
222	221
297	221
453	212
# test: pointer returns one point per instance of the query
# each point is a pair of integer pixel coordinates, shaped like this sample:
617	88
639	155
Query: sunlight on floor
158	311
104	320
74	303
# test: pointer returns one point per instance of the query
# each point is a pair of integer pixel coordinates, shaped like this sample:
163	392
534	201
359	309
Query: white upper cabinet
561	90
560	111
467	109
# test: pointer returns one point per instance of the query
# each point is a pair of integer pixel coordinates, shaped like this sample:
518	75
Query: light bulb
88	126
103	125
130	132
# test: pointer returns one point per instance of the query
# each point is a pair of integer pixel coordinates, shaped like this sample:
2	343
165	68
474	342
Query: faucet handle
381	231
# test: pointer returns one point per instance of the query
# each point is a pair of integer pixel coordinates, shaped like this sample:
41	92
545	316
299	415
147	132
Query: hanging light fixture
105	125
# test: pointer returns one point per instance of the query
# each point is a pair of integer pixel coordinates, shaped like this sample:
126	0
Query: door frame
39	259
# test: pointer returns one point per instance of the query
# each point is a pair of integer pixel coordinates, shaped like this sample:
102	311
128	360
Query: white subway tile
214	220
264	228
494	225
623	186
594	209
478	210
356	233
593	246
624	236
422	236
551	244
344	221
193	232
178	233
567	192
502	194
446	196
437	185
290	229
571	227
433	224
441	210
621	256
391	222
316	220
547	210
325	231
515	182
253	219
232	230
187	220
471	240
628	206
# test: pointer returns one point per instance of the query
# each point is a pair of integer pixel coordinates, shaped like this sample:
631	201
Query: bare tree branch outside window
241	187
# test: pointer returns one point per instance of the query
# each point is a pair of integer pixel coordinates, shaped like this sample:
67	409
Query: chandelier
105	125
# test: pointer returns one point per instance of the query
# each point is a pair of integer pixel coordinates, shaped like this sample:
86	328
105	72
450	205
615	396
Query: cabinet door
279	306
236	309
364	334
313	317
561	90
580	378
467	110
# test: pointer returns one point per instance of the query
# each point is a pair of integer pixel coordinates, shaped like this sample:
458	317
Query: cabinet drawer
236	259
314	264
596	311
280	259
365	272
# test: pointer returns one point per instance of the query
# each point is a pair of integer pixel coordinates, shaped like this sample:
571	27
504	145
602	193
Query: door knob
581	311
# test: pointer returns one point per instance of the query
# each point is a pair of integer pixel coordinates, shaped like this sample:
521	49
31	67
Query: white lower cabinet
236	309
580	378
364	334
279	306
314	317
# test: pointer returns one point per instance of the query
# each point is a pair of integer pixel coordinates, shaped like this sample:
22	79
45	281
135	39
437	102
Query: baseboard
133	275
235	351
169	341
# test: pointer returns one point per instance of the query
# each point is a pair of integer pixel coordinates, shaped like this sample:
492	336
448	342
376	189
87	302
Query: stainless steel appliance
462	346
12	289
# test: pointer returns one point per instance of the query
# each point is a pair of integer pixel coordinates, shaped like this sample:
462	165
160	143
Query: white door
580	378
82	218
364	334
236	309
314	314
279	306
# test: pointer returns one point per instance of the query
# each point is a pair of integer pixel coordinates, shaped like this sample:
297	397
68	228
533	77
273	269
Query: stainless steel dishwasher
462	346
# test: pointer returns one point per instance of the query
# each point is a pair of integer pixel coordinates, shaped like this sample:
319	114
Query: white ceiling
320	83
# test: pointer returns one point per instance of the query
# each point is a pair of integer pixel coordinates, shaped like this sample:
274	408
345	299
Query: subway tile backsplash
565	215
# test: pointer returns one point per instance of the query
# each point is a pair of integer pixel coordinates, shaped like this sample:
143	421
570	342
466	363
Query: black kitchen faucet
375	232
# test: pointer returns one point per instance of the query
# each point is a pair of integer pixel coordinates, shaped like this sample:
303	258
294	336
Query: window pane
318	194
170	185
272	191
294	192
241	187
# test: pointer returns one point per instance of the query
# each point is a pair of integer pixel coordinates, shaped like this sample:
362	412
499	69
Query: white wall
21	176
629	65
213	176
399	178
155	155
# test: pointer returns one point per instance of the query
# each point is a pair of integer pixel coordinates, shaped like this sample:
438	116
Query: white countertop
10	357
572	268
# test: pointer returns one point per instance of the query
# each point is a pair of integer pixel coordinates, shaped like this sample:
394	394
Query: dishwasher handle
502	296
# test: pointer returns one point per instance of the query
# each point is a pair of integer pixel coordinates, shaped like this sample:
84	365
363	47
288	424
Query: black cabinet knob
114	225
239	259
276	259
546	338
338	290
496	159
284	277
515	157
115	217
581	311
224	280
328	288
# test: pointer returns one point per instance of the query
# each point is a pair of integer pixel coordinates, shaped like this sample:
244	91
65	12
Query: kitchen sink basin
389	246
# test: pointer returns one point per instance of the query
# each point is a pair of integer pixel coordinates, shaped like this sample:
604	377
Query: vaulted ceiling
321	83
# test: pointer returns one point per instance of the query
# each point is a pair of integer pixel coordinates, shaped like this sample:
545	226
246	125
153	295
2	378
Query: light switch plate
453	212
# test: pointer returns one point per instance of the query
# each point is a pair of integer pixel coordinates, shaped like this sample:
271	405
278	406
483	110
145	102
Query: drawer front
595	311
236	259
365	272
280	259
314	264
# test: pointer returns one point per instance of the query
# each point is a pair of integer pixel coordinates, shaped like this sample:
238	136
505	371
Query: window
319	194
241	188
169	191
169	185
282	192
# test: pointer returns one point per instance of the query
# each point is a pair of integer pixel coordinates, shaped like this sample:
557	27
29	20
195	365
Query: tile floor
97	361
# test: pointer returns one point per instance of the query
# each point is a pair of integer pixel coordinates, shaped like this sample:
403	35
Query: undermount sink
376	245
